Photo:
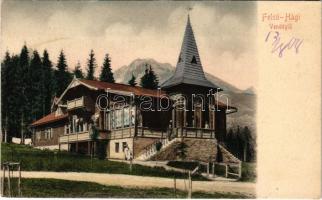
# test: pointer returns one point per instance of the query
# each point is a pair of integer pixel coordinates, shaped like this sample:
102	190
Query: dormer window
194	60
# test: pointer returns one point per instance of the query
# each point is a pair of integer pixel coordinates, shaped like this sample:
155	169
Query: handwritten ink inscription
279	46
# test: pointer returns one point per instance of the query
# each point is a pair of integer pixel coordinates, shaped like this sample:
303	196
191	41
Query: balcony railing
191	132
76	103
121	133
83	136
147	132
188	132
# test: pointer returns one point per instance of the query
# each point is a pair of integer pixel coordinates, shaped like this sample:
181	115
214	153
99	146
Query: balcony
147	132
187	132
76	103
78	137
82	102
191	132
121	133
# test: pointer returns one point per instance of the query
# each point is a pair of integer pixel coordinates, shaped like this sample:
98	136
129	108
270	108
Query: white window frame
127	115
132	115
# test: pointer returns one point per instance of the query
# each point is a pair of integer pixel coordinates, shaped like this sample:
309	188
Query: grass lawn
45	160
64	188
248	172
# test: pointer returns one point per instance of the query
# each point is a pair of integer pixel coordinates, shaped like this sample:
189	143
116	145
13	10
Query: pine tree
149	80
106	73
91	65
37	86
239	142
153	79
78	73
247	145
23	85
62	76
144	79
229	138
132	81
13	98
181	150
4	95
48	83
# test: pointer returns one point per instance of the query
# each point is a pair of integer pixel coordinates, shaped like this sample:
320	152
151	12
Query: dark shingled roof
189	68
122	87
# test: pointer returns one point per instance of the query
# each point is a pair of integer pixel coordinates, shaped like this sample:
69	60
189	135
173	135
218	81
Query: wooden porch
84	136
191	132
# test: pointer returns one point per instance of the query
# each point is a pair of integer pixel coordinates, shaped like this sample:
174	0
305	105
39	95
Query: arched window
194	60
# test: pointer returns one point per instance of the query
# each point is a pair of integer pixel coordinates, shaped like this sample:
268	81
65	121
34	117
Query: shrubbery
158	146
101	150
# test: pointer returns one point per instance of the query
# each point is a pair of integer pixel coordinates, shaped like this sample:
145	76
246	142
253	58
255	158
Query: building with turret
142	124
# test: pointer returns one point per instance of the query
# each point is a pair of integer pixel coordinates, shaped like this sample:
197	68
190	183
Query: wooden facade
118	111
122	125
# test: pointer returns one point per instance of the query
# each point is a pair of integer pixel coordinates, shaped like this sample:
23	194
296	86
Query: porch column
184	117
214	125
89	148
135	121
94	148
76	146
173	117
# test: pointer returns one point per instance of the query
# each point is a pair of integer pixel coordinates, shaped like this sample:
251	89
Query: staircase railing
151	149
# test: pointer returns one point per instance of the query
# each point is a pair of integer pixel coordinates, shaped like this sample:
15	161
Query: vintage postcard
160	99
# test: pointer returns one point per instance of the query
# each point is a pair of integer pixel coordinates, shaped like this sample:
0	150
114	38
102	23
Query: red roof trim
49	119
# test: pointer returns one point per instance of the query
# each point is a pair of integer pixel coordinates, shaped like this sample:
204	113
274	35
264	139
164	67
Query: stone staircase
151	150
227	156
204	150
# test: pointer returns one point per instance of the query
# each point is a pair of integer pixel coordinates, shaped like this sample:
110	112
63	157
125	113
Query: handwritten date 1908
279	46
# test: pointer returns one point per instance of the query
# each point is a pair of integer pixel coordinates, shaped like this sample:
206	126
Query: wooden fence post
213	168
9	184
189	186
2	180
240	170
131	162
208	166
226	174
175	186
19	180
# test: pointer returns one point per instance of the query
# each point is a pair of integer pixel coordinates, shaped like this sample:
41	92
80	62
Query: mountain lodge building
90	111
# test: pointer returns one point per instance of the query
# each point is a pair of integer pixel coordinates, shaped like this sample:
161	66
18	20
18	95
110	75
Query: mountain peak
163	70
137	68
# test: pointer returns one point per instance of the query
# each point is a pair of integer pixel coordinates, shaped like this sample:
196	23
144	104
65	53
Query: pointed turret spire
189	68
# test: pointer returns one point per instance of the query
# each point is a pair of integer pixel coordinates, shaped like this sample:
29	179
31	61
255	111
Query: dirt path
142	181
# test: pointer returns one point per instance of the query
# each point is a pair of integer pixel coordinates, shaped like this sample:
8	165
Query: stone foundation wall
195	149
205	150
139	143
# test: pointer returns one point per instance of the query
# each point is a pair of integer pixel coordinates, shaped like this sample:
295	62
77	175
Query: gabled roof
189	68
49	119
117	88
139	91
